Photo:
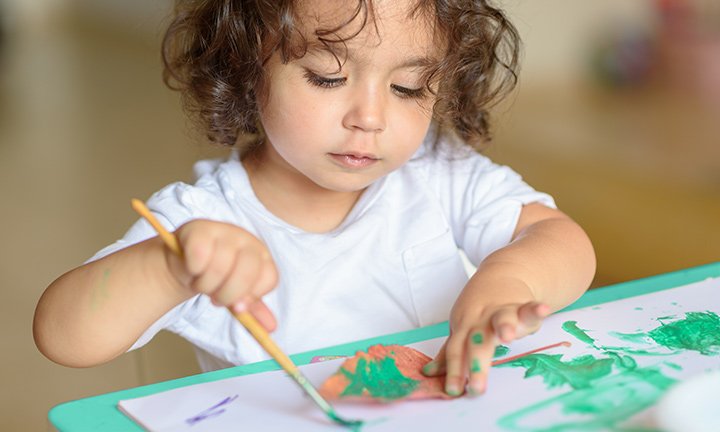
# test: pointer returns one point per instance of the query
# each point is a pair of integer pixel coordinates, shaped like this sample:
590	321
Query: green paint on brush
580	334
381	378
477	338
475	366
354	425
698	331
602	406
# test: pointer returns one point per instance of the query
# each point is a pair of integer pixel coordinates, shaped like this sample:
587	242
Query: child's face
344	129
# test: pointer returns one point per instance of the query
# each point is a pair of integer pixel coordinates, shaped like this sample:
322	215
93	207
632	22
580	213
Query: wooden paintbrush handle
261	335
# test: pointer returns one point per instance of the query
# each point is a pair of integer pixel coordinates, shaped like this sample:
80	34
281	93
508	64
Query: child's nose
366	111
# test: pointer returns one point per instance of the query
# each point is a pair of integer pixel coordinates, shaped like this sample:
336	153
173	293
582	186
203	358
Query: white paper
273	401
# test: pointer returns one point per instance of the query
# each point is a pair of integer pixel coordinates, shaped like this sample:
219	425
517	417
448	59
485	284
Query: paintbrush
252	326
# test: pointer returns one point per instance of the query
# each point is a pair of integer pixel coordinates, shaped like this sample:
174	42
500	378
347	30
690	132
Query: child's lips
354	161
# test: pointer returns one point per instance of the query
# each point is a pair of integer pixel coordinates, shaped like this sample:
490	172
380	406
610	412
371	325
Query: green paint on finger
475	366
429	368
477	338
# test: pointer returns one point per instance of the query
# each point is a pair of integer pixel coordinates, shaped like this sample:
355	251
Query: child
341	212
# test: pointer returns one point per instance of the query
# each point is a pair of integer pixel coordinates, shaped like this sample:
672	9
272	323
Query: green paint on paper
380	377
601	406
360	425
580	334
501	350
475	366
698	331
636	338
577	373
602	400
674	366
101	292
477	338
622	362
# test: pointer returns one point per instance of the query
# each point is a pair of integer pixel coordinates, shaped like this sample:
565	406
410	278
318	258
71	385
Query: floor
86	124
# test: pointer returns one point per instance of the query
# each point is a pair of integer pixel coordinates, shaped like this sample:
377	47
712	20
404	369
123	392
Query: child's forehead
338	25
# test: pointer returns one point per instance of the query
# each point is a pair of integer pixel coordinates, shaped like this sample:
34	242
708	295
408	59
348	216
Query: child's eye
408	93
319	81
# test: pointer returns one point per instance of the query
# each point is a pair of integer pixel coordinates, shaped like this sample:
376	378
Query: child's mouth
353	161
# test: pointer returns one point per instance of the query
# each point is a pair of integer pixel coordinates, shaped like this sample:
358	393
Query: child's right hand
226	263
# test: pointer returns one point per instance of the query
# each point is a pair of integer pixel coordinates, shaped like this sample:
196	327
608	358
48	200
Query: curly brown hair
214	51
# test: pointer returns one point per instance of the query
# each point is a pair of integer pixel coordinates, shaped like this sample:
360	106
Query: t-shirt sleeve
482	200
170	207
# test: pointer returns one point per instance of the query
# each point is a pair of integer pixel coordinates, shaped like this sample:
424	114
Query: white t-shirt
391	266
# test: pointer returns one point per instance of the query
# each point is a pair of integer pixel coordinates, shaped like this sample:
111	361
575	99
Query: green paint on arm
381	378
101	292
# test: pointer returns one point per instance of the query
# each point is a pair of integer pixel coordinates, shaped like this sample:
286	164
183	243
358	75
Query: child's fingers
437	366
243	275
264	280
455	364
267	277
530	317
218	269
531	313
263	315
479	354
198	249
504	323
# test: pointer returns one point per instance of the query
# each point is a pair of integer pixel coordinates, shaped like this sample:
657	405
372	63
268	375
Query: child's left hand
547	265
467	354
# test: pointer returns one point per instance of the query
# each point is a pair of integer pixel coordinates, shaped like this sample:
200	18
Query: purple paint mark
210	412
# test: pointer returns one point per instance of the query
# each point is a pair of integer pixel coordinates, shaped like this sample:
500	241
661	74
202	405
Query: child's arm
549	264
96	312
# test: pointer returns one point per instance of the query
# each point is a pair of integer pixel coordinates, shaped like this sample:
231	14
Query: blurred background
617	116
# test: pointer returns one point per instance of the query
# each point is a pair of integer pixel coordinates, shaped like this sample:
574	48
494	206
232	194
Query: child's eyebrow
417	62
411	62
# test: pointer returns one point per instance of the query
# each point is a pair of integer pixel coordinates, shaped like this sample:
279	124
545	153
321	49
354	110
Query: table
100	413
